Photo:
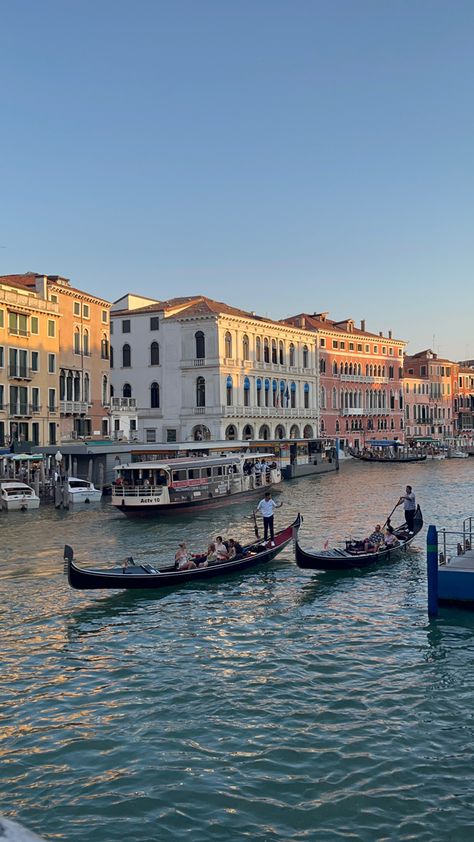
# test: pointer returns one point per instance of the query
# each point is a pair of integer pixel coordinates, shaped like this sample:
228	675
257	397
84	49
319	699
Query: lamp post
58	458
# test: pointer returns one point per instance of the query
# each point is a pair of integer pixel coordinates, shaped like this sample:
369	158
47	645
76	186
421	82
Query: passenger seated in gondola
390	538
181	558
211	556
374	541
221	549
236	550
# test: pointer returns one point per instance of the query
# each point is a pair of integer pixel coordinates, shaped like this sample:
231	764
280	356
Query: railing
19	410
456	542
361	378
359	410
17	331
20	372
199	361
74	407
267	412
124	403
136	490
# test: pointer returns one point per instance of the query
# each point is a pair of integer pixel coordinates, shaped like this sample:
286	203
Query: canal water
277	705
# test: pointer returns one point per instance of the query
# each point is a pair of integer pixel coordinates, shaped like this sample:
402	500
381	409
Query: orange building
436	378
84	353
463	407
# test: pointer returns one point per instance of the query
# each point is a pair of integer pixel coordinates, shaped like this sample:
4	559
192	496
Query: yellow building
29	366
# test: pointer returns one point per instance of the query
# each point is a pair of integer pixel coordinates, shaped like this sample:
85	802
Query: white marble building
193	368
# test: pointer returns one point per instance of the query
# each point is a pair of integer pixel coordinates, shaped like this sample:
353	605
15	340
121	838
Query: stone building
435	377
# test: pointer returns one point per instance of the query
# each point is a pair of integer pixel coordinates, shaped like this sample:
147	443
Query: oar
390	515
257	534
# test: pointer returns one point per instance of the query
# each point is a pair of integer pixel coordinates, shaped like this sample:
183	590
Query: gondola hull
338	559
145	577
371	457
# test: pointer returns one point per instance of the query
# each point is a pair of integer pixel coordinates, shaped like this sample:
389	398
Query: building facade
463	405
434	380
361	379
198	369
29	360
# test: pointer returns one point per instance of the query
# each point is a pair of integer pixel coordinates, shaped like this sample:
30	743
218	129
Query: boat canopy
26	457
193	462
384	443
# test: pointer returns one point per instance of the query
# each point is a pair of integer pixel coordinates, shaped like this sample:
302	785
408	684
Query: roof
28	281
313	322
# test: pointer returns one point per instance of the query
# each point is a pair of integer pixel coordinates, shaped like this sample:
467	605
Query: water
275	705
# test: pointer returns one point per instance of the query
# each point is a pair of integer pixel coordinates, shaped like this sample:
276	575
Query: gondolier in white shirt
266	507
409	505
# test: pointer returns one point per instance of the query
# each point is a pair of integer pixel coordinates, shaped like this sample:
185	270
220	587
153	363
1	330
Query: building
29	359
435	378
83	365
463	404
361	373
198	369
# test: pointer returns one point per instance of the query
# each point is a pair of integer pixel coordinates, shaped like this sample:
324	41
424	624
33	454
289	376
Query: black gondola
352	556
373	457
132	575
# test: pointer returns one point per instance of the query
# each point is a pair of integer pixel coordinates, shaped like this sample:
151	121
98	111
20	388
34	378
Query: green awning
26	457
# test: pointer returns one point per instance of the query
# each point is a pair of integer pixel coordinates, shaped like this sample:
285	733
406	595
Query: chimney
380	333
302	321
390	334
362	325
42	286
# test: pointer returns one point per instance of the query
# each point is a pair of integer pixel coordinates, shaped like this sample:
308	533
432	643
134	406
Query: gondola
353	557
386	450
134	575
372	457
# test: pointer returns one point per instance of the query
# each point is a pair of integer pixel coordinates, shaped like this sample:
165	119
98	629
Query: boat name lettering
186	483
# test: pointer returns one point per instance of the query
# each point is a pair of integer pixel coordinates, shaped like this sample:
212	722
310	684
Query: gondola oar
257	534
390	515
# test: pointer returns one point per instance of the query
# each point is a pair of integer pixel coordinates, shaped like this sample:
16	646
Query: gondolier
409	504
266	507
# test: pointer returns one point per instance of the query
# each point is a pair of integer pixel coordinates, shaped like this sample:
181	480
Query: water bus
192	482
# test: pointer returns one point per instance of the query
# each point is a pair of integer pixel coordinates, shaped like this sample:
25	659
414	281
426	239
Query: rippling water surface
276	705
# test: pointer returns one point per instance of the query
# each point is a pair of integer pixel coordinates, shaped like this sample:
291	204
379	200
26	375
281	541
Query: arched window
105	389
69	386
85	344
154	353
231	433
259	391
323	397
337	425
267	391
62	386
275	392
334	368
246	392
346	369
246	348
200	391
305	356
366	370
322	366
274	351
111	357
77	341
127	390
322	425
266	351
126	356
281	354
258	349
200	345
334	398
293	395
292	354
77	387
112	391
228	345
306	395
229	390
104	347
154	395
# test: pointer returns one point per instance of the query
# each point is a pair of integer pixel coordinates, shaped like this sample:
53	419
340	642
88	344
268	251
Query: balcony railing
74	407
250	412
359	410
361	378
19	410
123	404
17	331
16	372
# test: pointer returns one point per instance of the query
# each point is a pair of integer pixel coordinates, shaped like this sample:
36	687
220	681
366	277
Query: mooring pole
432	565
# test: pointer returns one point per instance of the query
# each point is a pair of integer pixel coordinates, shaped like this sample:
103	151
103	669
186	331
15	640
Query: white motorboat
82	491
17	496
458	454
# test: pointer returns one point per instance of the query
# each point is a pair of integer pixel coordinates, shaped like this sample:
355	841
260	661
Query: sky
279	156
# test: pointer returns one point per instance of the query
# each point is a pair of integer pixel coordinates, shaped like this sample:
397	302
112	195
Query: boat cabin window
194	473
179	476
217	471
78	483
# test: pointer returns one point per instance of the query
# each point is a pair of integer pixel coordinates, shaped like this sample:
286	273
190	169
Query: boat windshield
18	490
78	483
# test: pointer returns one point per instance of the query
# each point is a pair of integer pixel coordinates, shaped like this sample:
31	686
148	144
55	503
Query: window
245	348
125	325
52	400
105	317
127	390
104	347
86	390
200	341
85	311
35	404
126	356
246	392
335	343
77	341
367	349
228	345
306	395
281	354
1	399
53	298
258	349
52	432
85	344
51	328
2	318
18	324
384	349
154	396
274	352
111	357
266	351
229	390
322	342
351	346
170	435
305	356
111	328
292	354
51	363
154	323
35	360
359	348
293	395
390	352
76	308
154	353
200	392
34	325
376	349
342	345
150	435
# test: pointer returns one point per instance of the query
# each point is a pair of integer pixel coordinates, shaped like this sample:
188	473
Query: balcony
73	407
361	378
359	410
16	372
124	404
19	410
251	412
17	331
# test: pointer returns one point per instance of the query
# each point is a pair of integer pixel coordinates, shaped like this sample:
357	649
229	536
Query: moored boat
133	575
353	555
387	451
178	485
17	496
82	491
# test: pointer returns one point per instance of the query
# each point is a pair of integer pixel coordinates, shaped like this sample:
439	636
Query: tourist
211	553
221	549
235	549
390	538
409	504
181	558
374	541
266	508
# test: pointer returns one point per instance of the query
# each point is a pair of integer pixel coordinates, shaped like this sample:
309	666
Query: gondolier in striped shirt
409	505
266	508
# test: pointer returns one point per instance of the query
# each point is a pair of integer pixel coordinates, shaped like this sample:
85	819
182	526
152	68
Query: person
409	504
390	538
266	507
374	541
181	558
258	472
235	549
221	549
211	553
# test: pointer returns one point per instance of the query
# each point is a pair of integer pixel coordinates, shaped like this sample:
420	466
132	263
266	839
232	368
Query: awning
27	457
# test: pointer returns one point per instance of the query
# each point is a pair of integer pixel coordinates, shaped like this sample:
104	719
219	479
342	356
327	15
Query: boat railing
136	490
456	542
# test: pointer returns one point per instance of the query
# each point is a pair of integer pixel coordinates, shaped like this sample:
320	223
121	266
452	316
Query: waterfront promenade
273	706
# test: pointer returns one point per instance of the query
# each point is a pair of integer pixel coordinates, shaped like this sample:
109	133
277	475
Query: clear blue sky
280	156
